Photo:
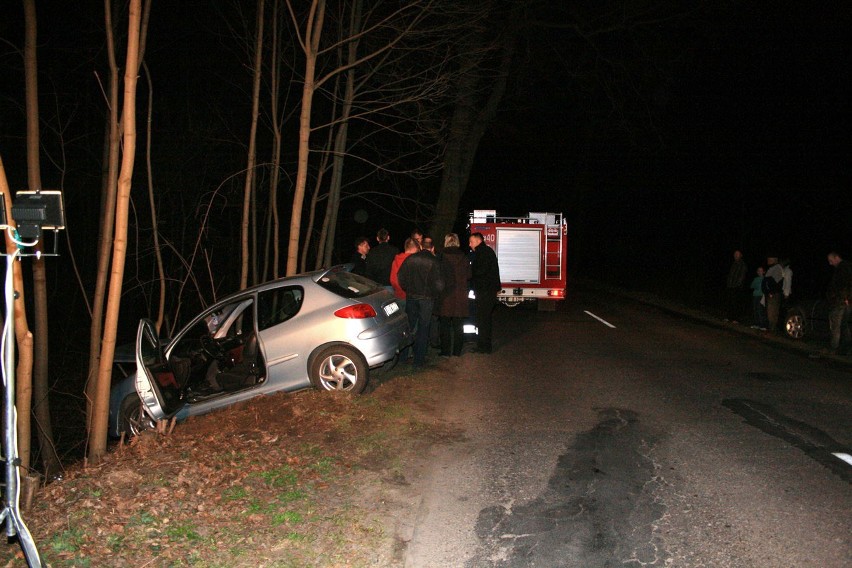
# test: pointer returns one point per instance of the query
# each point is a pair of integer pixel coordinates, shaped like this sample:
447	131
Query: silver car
326	328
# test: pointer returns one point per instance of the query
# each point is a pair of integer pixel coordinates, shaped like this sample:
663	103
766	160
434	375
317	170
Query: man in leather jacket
486	284
421	279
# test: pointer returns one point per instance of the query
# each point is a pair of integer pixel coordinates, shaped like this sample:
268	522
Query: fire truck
531	252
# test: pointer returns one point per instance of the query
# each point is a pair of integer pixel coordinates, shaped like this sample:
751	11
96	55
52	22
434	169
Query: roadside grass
276	481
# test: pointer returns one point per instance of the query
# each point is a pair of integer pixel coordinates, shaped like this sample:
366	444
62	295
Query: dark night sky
750	149
742	143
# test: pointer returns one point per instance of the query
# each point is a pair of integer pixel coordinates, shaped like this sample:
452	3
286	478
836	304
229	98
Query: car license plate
391	308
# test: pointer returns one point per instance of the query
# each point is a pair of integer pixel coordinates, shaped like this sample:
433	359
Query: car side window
278	305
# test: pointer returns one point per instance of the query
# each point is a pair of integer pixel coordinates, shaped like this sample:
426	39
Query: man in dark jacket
840	301
420	276
486	283
359	257
734	287
380	258
452	306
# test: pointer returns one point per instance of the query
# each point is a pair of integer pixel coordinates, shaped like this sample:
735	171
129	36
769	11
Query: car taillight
358	311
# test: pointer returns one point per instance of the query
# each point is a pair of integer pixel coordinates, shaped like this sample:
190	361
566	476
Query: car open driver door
156	384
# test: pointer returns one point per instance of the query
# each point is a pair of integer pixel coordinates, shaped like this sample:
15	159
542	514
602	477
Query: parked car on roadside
807	319
325	329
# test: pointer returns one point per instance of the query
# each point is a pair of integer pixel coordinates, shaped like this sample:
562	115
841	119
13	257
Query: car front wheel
132	419
794	325
339	368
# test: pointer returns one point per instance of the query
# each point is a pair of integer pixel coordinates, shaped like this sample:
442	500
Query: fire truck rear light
358	311
556	293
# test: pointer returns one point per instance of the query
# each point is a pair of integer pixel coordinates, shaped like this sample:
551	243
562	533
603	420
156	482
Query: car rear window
348	285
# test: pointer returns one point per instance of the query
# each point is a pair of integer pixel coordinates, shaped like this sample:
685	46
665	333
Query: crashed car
325	329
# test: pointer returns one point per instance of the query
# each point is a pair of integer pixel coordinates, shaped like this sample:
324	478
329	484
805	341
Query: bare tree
41	407
100	406
252	149
484	63
384	29
23	336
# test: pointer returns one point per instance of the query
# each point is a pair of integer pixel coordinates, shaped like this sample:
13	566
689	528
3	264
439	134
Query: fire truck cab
531	252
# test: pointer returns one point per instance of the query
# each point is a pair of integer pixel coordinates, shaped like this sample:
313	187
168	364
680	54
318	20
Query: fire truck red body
532	252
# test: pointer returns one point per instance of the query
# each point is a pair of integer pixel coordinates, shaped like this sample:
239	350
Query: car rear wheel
132	419
794	325
339	368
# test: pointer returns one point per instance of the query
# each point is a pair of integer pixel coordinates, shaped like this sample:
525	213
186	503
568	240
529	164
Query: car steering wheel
211	348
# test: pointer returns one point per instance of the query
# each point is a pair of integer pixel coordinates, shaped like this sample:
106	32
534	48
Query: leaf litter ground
303	479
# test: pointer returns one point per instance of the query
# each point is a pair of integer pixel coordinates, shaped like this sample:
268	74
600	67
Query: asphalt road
660	441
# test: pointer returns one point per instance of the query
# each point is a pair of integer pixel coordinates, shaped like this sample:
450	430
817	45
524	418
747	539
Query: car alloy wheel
339	368
795	325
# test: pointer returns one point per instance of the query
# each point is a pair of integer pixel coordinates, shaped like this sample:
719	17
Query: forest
202	147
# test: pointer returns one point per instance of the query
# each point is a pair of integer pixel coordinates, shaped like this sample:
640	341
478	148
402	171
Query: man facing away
734	286
421	278
380	259
411	247
773	286
839	301
485	278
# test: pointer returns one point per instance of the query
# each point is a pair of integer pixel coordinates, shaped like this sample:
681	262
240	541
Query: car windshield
348	285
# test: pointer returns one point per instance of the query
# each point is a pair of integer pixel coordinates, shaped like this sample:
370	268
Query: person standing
452	306
787	288
839	301
758	302
359	257
428	244
380	259
420	276
485	277
411	247
773	288
734	287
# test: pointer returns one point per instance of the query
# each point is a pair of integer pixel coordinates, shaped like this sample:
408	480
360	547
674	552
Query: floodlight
37	210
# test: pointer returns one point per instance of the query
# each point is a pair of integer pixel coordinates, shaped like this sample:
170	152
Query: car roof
303	277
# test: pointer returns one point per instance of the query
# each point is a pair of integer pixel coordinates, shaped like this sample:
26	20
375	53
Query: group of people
427	282
771	290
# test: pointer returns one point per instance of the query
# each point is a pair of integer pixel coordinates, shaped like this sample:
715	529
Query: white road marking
841	456
603	321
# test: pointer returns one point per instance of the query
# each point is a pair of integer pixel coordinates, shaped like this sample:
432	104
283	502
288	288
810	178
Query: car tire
132	420
794	325
339	368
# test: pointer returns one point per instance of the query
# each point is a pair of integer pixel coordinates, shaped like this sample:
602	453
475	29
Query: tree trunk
40	388
275	77
312	210
311	47
340	142
24	339
252	151
107	221
100	410
155	231
471	118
